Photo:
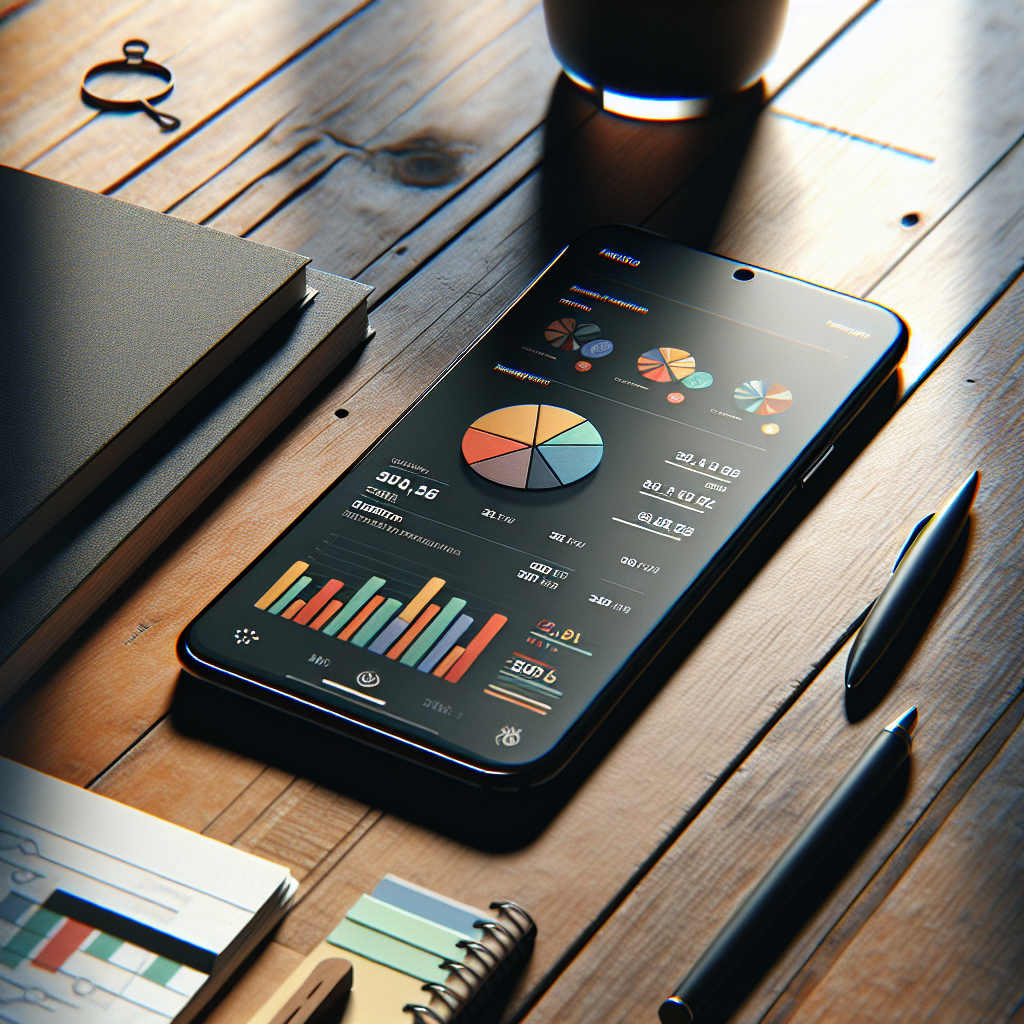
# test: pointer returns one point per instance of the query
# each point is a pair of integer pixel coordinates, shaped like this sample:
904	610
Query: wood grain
963	676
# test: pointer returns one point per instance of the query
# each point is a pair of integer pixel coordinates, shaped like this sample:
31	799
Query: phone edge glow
615	689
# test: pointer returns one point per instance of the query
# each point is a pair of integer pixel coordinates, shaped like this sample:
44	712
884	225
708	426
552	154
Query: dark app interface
478	578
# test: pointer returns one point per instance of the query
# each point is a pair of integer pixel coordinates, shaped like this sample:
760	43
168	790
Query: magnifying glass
134	63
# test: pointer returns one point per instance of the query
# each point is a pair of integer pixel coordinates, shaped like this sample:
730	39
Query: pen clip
911	537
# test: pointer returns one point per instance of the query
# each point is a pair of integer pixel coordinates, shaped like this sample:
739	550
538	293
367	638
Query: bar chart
435	637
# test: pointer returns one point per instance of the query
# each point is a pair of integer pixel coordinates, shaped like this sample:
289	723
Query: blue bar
391	633
446	643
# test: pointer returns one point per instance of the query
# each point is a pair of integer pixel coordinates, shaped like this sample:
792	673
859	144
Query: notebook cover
51	590
113	316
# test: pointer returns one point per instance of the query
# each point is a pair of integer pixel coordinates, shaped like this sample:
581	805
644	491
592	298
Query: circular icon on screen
676	397
367	679
597	349
700	379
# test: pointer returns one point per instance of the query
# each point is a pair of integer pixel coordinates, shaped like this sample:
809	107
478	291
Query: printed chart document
111	916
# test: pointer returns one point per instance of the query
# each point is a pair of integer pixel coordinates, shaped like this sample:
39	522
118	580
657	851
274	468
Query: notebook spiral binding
488	965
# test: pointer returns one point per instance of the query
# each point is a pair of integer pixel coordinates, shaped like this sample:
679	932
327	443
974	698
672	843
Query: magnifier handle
167	122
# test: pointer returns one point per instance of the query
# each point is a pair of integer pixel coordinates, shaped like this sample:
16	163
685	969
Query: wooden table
431	150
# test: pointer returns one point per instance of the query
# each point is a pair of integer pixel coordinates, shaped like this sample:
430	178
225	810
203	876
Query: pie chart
763	397
533	447
570	336
666	364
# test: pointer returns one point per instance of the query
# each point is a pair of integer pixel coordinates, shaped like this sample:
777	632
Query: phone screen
502	558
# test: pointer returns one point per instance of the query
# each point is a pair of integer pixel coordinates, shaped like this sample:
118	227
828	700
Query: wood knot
422	163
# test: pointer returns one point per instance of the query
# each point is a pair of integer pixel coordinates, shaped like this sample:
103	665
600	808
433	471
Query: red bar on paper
413	631
322	596
361	616
67	940
327	613
290	611
475	647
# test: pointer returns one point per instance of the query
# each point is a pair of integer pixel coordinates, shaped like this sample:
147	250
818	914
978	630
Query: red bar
476	646
53	955
327	613
413	631
322	596
290	611
449	659
361	616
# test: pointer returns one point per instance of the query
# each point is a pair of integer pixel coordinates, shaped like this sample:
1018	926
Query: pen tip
907	722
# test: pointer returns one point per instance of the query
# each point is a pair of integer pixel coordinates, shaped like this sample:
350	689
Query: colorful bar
391	633
422	599
103	947
383	949
359	619
359	598
449	659
289	595
475	647
282	584
294	607
376	622
431	905
411	928
446	643
429	636
161	970
69	937
332	607
315	603
414	631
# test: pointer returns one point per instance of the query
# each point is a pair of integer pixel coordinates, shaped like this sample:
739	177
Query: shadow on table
496	821
603	169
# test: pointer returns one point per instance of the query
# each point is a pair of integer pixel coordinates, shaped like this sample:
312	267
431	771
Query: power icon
367	679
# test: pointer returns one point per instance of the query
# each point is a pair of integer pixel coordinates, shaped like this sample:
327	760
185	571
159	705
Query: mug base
645	108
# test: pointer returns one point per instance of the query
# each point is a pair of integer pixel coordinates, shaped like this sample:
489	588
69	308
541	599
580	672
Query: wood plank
947	943
215	57
640	954
877	131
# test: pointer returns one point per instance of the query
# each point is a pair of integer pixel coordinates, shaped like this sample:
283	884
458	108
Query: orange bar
413	631
282	585
290	611
476	646
322	596
416	605
449	659
361	616
327	613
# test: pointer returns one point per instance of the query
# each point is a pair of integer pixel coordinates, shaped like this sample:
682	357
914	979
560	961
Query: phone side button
817	464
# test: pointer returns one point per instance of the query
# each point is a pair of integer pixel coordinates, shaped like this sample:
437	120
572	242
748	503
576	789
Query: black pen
858	787
919	561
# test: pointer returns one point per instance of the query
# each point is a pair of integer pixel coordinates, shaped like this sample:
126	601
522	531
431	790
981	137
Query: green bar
161	970
407	927
426	639
41	923
358	599
383	949
375	623
103	947
9	959
289	595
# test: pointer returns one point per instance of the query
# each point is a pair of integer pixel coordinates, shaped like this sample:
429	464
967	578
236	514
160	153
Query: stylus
915	568
858	787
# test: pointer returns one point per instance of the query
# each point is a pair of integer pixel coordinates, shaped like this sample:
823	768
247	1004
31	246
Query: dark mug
664	59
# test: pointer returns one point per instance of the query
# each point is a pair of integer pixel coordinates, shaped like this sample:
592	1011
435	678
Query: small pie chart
763	397
666	364
569	335
533	447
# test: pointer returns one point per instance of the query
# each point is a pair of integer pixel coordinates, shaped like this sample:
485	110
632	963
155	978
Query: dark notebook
114	317
51	590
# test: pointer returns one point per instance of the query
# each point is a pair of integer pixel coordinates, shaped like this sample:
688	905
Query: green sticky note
383	949
411	928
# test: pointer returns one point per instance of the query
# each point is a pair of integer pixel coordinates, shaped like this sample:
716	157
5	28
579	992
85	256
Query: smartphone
483	585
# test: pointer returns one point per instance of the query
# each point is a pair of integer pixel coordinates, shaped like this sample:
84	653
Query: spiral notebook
416	958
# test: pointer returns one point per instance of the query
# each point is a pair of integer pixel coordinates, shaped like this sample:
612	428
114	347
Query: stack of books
142	358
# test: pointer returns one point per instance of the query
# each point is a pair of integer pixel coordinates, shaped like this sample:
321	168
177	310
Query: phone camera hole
341	413
743	274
